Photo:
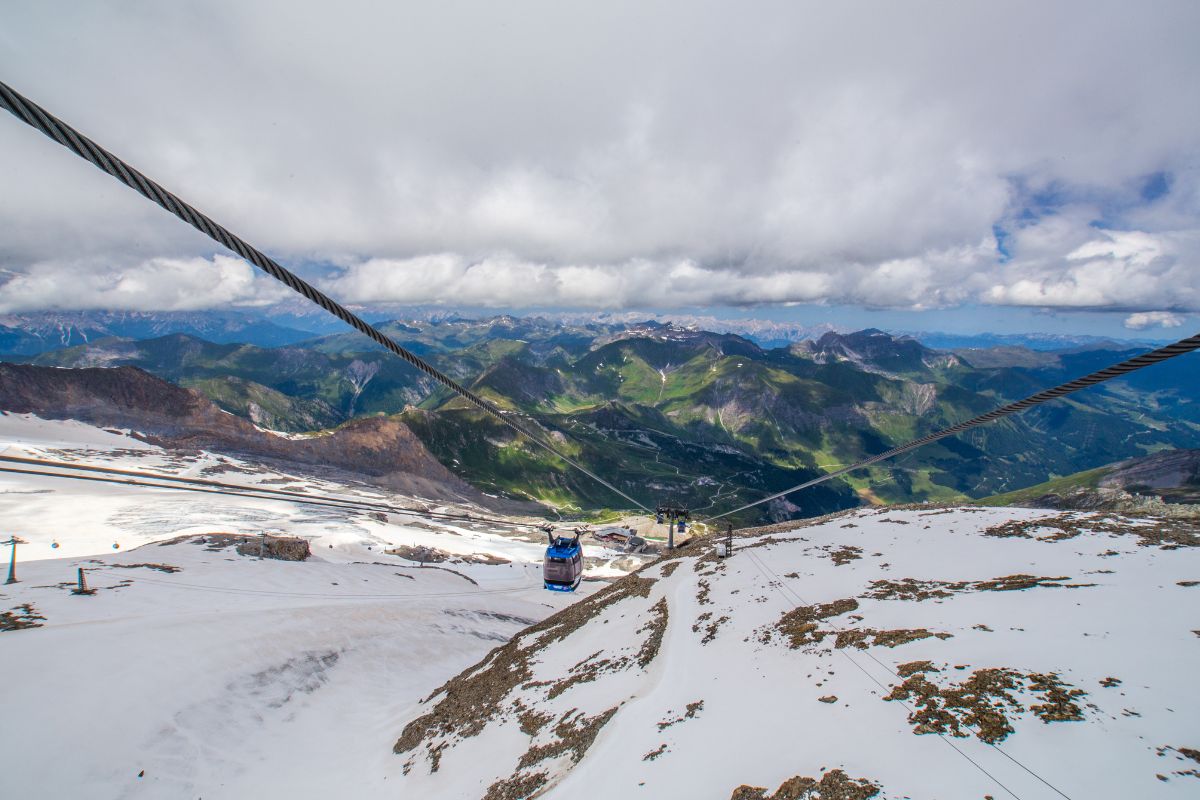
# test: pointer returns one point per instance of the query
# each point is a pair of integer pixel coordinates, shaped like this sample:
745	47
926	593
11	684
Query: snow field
763	720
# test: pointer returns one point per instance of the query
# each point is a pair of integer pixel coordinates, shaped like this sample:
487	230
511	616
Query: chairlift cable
37	117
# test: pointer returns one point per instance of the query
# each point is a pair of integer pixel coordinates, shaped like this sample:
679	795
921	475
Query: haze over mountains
697	416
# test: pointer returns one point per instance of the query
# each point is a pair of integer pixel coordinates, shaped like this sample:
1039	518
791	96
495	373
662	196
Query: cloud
505	281
1110	270
160	284
607	155
1152	319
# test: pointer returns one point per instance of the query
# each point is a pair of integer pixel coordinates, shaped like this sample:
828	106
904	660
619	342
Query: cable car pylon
676	517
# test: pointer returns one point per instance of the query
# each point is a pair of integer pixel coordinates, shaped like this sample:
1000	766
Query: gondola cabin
563	568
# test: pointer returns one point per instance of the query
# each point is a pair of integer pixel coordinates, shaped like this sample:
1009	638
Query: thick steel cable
1115	371
37	117
241	489
130	478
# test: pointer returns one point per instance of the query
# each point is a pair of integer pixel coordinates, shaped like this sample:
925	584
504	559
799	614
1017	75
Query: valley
700	418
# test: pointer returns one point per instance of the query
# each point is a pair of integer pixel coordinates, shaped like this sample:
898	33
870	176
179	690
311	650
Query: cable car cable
251	494
38	118
243	488
1179	348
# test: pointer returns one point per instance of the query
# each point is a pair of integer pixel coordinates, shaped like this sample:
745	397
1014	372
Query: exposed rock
833	785
20	618
982	702
381	448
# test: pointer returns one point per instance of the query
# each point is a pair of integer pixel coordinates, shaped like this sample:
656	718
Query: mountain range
703	418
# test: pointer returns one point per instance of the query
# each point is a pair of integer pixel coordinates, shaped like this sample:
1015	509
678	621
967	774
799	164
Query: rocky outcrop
1169	469
1117	501
381	448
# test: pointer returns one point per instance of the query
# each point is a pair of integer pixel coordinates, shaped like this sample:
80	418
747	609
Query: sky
931	166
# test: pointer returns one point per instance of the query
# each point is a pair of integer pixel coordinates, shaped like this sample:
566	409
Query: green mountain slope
711	420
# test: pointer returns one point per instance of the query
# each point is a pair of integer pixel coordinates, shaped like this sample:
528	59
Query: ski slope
1037	654
236	677
213	674
66	518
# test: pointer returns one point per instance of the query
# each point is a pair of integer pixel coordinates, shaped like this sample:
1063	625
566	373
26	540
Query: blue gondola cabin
563	568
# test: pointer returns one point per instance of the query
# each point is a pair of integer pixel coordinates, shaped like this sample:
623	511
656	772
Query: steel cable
37	117
129	478
1108	373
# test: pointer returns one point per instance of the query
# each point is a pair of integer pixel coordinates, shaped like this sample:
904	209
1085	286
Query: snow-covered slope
198	672
194	671
935	653
64	518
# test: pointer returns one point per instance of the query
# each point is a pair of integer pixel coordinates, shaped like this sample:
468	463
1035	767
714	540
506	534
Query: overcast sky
891	156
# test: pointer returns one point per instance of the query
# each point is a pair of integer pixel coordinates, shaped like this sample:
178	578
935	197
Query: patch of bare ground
280	548
712	628
432	555
1109	683
915	589
1187	584
833	785
983	702
800	625
862	638
690	713
913	667
517	787
655	753
705	591
845	554
657	627
574	733
1168	534
167	568
486	559
420	554
532	721
585	671
1183	754
669	569
20	618
469	701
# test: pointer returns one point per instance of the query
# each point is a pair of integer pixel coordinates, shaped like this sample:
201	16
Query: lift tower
675	516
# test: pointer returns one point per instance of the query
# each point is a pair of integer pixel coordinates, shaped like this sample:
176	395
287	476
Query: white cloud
1113	269
507	281
1153	319
160	284
610	155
